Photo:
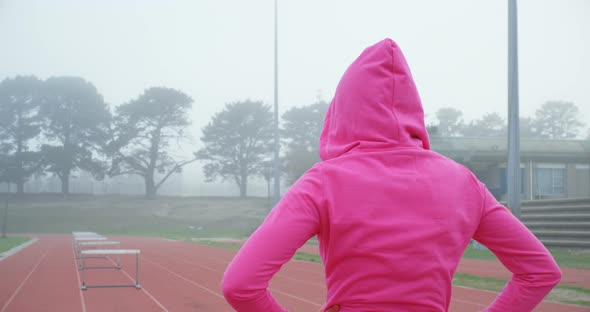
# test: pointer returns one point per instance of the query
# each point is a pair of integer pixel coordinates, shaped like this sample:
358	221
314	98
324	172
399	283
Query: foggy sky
219	51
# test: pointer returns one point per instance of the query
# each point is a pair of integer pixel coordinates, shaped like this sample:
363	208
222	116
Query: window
582	184
504	179
550	180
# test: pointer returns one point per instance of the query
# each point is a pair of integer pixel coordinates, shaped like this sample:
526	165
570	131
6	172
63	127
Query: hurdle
88	236
110	252
99	243
84	233
78	239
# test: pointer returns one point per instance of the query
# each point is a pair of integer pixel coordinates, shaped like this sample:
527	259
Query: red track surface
175	276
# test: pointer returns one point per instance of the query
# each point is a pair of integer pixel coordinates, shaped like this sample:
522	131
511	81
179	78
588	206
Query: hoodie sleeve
534	271
293	221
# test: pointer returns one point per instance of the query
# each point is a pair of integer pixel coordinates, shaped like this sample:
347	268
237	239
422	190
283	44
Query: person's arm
293	221
534	271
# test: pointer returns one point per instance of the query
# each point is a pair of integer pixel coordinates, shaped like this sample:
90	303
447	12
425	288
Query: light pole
4	222
513	170
277	161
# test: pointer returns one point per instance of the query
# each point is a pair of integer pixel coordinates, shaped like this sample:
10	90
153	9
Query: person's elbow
231	287
549	277
235	288
554	276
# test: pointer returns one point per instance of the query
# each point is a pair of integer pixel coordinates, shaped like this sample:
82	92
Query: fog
219	52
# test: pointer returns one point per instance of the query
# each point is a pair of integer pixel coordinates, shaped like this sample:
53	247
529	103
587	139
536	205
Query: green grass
220	244
474	281
307	257
566	258
10	242
472	253
572	258
170	217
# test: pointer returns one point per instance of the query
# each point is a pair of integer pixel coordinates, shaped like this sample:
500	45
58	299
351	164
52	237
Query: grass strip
10	242
220	244
566	258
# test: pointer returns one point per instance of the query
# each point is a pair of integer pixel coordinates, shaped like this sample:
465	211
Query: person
391	216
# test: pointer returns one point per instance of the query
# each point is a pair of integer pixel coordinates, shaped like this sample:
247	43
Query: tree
297	161
75	122
432	130
4	164
527	129
19	124
450	121
266	171
237	141
489	125
557	120
144	130
302	127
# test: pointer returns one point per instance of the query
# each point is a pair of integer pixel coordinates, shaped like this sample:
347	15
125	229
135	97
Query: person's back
392	218
399	240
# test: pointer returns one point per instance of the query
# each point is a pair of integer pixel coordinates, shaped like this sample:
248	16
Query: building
549	168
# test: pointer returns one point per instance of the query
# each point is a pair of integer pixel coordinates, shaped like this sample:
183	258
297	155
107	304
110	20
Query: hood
376	105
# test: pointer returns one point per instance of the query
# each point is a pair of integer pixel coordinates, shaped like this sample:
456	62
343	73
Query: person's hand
334	308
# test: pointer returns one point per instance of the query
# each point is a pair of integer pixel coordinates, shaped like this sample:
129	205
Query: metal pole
83	273
5	217
137	271
277	164
4	221
513	170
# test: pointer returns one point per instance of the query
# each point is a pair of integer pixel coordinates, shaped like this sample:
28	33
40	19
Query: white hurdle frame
110	252
99	243
77	240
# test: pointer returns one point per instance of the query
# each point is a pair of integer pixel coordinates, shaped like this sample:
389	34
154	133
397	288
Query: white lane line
218	271
469	302
280	275
24	281
143	289
228	261
79	282
295	297
185	279
295	279
198	264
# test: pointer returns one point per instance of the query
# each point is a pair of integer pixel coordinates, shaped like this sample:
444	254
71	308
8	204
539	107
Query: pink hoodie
392	217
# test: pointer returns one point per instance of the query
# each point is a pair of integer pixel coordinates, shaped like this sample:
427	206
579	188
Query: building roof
495	149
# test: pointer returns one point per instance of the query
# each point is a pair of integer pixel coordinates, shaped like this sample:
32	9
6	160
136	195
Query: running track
175	276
